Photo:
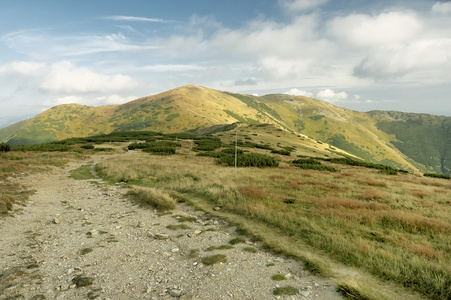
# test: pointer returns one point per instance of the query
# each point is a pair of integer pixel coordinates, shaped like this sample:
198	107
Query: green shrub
162	150
47	147
5	147
312	164
208	144
281	152
249	160
437	175
87	146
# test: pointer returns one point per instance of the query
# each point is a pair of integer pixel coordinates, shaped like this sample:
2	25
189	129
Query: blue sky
363	55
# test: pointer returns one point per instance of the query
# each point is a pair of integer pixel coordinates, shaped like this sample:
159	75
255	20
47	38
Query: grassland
379	236
394	227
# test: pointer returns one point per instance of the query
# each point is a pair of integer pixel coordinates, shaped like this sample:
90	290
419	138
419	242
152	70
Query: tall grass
376	223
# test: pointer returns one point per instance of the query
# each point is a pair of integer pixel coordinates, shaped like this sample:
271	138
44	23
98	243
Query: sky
359	54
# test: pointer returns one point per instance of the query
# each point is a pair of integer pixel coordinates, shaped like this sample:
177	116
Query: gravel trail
83	239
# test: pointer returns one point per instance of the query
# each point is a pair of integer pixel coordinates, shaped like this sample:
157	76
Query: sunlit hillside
416	143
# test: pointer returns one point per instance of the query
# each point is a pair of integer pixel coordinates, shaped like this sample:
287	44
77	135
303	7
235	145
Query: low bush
5	147
249	160
208	144
47	147
434	175
87	146
312	164
281	152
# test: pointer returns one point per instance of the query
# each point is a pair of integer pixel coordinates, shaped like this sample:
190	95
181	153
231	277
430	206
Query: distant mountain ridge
415	142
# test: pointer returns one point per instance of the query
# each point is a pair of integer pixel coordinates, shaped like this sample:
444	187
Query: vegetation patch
82	281
278	277
250	249
214	259
249	160
237	240
285	291
178	227
85	251
312	164
152	196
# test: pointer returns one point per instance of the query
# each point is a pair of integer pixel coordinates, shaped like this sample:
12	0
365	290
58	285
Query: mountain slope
396	139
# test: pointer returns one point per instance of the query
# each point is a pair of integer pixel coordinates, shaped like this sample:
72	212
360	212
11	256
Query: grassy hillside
426	139
8	132
375	137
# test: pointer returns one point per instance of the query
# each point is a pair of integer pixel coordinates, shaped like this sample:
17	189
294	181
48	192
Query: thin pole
236	151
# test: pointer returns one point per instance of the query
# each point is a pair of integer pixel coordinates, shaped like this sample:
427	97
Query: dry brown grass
357	217
424	250
420	194
348	203
151	196
371	194
252	192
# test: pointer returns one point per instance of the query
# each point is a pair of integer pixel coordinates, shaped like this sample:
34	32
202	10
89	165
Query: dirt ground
83	239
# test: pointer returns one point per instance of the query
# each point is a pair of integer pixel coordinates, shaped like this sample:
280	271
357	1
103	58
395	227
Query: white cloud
331	96
135	19
298	92
423	60
41	45
173	68
67	78
441	7
301	5
64	100
22	68
385	28
114	99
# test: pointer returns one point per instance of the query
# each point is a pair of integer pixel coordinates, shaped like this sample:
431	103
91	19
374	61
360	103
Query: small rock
56	221
175	293
217	208
69	271
175	250
141	225
288	276
151	235
304	293
195	233
315	285
161	236
93	232
64	287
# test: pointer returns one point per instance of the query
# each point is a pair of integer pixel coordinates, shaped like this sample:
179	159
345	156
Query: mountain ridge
376	136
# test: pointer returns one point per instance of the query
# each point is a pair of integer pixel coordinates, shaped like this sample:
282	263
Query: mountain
414	142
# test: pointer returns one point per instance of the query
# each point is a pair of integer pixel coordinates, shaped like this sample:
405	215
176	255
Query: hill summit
415	142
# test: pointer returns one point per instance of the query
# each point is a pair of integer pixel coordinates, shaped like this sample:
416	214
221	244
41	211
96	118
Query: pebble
304	293
161	236
175	293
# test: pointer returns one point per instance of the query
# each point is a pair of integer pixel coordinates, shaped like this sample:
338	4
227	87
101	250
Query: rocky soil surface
80	239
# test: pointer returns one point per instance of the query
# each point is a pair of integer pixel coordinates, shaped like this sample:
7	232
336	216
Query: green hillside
417	143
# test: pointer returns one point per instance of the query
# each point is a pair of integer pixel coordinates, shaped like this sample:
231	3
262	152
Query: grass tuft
237	240
152	196
285	291
214	259
278	277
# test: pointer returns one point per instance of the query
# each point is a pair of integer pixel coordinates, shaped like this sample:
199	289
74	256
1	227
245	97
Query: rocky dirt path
85	240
